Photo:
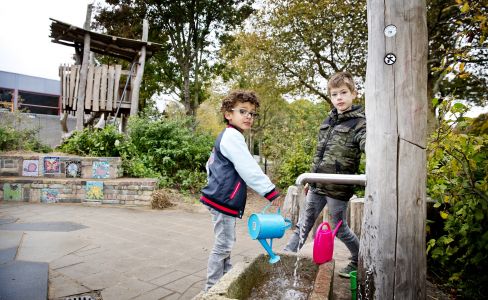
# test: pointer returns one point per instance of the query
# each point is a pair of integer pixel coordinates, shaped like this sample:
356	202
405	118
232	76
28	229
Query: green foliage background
163	148
13	137
457	232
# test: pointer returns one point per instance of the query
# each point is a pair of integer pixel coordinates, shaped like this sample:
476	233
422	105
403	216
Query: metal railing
331	178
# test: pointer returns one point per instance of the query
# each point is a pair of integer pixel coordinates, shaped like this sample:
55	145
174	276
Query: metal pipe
331	178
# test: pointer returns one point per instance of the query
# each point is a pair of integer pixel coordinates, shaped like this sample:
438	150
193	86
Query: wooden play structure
102	92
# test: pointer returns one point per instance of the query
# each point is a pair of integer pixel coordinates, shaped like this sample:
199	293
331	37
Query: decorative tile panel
30	167
101	169
94	190
49	196
73	168
12	191
52	165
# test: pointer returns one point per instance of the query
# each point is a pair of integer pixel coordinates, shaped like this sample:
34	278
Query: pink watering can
323	245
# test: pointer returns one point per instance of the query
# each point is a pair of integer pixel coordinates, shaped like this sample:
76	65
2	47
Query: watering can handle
288	223
266	208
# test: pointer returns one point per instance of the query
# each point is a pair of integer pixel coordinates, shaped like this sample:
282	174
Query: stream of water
282	285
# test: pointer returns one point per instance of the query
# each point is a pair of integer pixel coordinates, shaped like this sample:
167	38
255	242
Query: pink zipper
235	190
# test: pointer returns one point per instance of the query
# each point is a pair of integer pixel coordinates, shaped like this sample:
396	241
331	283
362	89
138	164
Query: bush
166	149
171	149
106	142
457	180
14	138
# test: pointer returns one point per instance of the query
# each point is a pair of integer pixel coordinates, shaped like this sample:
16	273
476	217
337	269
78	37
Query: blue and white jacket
231	168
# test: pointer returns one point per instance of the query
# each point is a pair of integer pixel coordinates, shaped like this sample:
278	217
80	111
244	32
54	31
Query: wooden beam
392	263
134	107
80	112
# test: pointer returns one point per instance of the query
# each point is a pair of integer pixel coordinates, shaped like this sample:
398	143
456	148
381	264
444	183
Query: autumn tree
191	30
302	43
458	53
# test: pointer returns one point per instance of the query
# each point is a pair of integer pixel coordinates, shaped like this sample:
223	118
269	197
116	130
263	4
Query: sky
25	46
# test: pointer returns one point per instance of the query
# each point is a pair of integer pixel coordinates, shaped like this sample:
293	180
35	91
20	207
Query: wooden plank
118	72
63	86
89	87
77	83
110	88
103	87
72	76
96	88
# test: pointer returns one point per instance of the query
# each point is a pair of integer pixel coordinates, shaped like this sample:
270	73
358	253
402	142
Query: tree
304	42
191	30
458	54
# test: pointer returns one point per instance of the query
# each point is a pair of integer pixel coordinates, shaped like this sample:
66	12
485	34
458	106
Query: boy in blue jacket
231	168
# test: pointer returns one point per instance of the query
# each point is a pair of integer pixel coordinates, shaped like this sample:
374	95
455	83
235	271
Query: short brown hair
339	79
241	96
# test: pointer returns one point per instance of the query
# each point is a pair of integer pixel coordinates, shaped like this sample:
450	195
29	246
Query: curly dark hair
230	101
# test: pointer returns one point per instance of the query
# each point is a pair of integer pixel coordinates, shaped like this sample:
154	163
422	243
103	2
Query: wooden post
392	262
356	209
80	111
134	103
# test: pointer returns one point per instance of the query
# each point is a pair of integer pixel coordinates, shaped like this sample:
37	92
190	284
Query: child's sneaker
348	269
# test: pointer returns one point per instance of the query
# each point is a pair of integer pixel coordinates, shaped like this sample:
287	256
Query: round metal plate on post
390	59
390	30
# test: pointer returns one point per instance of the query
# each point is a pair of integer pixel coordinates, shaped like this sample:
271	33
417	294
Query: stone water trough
290	278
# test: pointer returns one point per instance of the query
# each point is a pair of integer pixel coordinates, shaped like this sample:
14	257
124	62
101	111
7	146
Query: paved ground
118	253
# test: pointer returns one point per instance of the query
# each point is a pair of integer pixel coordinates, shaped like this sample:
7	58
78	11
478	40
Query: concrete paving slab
169	277
62	286
67	260
20	280
43	226
156	294
143	254
10	239
47	246
7	255
128	288
101	280
183	284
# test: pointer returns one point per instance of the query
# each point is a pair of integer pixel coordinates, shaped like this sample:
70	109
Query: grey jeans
314	204
224	239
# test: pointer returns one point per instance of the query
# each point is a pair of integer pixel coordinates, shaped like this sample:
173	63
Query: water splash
280	286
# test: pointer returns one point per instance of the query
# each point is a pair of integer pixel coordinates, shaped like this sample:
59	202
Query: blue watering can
268	226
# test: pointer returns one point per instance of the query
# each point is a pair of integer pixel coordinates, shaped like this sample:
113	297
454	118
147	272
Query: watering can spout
337	228
273	258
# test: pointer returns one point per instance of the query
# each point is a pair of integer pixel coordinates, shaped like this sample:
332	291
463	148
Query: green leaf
478	215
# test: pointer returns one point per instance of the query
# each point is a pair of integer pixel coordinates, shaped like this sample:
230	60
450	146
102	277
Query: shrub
162	199
12	137
171	149
106	142
457	180
166	149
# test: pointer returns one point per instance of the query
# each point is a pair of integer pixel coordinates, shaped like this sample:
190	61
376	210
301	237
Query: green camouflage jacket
341	140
